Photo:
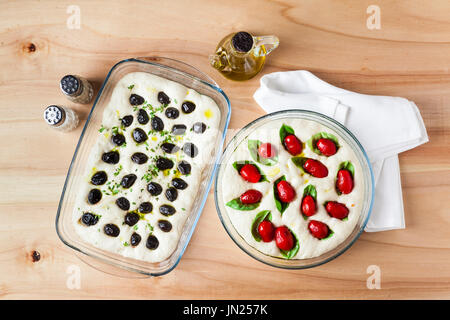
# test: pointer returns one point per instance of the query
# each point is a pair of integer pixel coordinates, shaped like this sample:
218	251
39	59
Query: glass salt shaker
61	118
77	89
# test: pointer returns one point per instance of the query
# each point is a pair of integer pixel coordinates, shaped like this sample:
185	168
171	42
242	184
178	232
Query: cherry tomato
286	192
250	173
251	196
326	147
344	181
266	150
318	229
266	230
337	210
308	206
284	238
315	168
293	144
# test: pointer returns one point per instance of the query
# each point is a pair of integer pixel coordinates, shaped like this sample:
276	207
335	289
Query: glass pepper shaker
61	118
77	89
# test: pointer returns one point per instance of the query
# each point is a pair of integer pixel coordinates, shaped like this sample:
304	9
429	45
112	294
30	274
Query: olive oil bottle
240	56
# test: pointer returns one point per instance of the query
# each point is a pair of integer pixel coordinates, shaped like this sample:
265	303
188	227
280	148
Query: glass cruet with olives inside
240	56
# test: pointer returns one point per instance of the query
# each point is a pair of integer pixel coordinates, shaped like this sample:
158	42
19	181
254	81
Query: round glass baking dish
368	196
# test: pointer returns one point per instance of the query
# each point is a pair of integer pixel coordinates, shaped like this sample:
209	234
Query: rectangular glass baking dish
114	263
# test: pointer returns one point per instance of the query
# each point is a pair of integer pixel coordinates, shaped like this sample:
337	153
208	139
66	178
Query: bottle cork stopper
242	41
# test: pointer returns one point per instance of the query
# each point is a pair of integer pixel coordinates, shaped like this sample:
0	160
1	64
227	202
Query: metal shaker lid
70	84
54	115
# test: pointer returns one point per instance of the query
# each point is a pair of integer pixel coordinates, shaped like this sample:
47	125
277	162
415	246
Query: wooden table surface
408	56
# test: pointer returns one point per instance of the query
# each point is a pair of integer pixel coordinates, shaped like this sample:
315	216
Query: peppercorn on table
408	56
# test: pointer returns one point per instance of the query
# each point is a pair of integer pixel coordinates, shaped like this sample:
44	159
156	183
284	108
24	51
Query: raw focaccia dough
292	218
147	86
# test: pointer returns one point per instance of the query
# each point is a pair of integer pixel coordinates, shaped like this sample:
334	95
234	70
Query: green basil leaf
347	165
253	146
281	206
239	164
238	205
260	217
313	141
330	234
291	253
285	130
310	190
299	162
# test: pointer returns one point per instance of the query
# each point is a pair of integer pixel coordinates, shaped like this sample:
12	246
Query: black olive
111	157
139	158
154	188
179	183
199	127
89	219
169	147
111	230
123	203
99	178
131	218
171	194
139	135
166	210
187	106
136	99
164	225
94	196
145	207
178	129
135	239
142	117
164	163
184	167
163	98
128	180
190	149
152	242
127	120
157	123
172	113
118	139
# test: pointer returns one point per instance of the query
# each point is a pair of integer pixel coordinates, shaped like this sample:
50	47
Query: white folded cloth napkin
385	126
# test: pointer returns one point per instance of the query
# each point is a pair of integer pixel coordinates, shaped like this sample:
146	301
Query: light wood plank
408	57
